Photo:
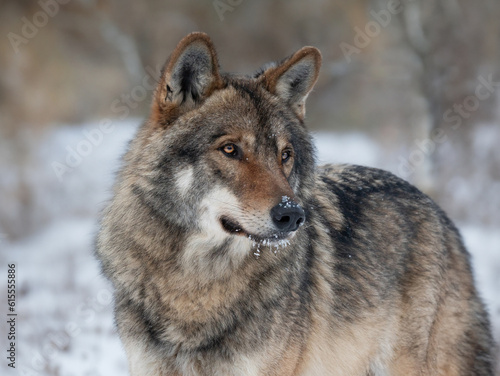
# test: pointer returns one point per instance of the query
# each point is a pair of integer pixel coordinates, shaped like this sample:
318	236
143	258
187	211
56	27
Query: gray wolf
231	253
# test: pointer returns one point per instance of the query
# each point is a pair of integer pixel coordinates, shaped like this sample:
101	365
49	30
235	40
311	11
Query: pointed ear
294	78
189	76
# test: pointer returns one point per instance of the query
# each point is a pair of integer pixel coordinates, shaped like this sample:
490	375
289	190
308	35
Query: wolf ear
189	76
294	78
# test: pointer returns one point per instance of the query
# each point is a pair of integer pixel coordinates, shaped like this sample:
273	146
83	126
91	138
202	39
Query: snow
484	245
352	148
65	324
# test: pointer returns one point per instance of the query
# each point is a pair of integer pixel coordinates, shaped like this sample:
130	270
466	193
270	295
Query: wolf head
227	155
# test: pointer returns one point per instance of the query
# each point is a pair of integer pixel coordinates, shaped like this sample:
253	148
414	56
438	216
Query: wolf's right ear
189	76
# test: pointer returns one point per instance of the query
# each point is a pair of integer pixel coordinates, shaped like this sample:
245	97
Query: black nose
287	216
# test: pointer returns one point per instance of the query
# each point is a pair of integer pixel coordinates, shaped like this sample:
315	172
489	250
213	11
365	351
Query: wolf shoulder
370	194
368	182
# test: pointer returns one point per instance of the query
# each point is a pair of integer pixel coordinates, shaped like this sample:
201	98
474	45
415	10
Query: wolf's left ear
190	75
293	79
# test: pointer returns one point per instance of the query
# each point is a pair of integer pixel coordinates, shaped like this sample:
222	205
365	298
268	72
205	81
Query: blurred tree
456	43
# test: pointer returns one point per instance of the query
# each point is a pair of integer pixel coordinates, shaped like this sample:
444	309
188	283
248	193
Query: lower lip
235	229
231	227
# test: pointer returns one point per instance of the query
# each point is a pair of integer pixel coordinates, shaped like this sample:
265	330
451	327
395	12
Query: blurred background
411	86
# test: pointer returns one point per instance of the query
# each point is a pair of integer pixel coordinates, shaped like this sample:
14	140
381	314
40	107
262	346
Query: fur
232	253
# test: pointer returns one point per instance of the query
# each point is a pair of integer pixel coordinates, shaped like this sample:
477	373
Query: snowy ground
64	307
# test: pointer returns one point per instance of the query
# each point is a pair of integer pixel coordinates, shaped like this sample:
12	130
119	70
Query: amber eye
231	150
285	156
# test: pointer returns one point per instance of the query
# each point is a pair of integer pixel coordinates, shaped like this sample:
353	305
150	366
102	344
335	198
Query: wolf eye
231	150
285	156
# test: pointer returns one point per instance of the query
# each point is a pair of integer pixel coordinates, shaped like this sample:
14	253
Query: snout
287	216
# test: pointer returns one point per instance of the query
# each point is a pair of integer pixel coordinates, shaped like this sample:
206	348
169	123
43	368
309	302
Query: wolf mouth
234	228
231	226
